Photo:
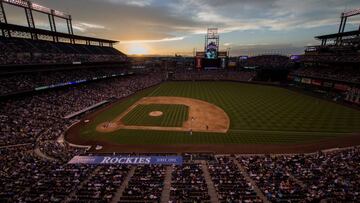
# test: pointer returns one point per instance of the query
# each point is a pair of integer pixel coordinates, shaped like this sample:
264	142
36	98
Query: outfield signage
306	80
127	160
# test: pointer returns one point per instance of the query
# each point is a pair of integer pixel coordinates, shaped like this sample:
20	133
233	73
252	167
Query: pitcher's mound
156	113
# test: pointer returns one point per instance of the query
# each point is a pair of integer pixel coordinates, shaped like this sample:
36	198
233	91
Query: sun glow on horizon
137	49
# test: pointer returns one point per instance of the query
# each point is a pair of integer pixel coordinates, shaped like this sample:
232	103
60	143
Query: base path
203	116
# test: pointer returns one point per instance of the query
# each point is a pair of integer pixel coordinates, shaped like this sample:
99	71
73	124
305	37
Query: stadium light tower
212	36
29	7
344	16
212	43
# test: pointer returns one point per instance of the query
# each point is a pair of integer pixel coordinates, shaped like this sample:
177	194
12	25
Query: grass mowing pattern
259	114
174	115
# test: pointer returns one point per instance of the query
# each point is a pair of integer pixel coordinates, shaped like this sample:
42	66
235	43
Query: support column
343	29
69	25
53	25
30	19
340	28
70	29
341	23
5	33
344	24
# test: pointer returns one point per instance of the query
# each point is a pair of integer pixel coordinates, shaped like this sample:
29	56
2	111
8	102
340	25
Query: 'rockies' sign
127	160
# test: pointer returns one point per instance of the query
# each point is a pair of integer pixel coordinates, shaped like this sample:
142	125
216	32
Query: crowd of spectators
145	185
41	116
266	61
339	73
26	178
31	121
332	58
38	120
229	183
321	176
102	186
60	151
273	179
19	82
215	75
188	184
20	51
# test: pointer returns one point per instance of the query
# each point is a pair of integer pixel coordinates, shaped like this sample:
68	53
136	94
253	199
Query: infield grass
174	115
258	114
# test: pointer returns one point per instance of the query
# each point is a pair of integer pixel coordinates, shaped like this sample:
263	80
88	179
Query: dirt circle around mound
202	116
156	113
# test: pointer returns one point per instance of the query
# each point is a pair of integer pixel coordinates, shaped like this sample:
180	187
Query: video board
211	51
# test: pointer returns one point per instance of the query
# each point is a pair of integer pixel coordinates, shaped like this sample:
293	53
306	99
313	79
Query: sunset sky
166	27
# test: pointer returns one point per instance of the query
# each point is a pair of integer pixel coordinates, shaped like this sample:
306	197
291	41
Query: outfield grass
258	114
174	115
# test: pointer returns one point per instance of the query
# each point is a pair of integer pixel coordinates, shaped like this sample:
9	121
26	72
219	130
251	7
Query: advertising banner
243	58
328	84
297	79
342	87
200	54
223	63
316	82
295	57
198	62
127	160
232	64
306	80
222	54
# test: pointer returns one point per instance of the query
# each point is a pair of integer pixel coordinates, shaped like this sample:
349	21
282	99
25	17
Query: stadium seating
34	163
102	186
230	184
214	75
18	51
338	73
312	178
188	184
146	185
266	61
41	116
20	82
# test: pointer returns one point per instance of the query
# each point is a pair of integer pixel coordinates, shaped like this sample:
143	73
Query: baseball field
221	117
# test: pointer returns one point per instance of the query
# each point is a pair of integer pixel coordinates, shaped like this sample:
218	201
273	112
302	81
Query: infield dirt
203	116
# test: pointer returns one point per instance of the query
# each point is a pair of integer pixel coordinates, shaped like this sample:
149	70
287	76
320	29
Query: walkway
248	179
165	195
124	184
73	193
210	185
38	152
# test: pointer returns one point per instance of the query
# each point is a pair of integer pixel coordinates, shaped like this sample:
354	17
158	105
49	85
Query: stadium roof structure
342	37
36	7
336	35
29	30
